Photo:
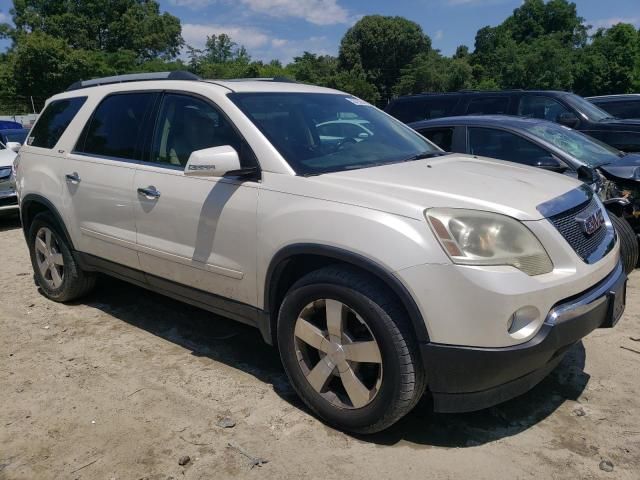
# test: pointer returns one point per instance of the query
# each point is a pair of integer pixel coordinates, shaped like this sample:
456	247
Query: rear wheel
629	249
347	349
55	269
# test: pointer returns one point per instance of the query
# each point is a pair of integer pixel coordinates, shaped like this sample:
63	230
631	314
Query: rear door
196	231
99	175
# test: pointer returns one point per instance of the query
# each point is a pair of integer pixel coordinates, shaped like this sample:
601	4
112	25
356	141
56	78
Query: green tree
102	25
382	46
611	63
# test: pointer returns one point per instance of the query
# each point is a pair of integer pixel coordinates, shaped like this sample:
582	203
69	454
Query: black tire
403	378
75	281
629	250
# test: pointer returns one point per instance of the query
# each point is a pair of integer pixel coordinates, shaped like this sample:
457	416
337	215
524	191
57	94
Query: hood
458	181
627	167
6	157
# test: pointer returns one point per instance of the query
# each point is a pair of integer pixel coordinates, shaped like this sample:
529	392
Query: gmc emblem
591	221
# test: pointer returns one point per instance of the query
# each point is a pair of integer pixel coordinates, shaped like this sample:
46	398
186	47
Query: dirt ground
125	383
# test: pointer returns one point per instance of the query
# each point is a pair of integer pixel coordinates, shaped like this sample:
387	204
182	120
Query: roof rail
134	77
257	79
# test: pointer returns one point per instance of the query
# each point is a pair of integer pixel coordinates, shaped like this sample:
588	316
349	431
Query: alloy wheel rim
338	354
49	258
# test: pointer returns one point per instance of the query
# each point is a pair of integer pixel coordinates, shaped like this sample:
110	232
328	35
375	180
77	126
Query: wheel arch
33	204
293	261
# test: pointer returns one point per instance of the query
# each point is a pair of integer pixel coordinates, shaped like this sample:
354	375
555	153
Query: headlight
5	172
474	237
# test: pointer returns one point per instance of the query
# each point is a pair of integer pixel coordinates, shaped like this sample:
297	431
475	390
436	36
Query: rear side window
488	106
54	121
626	109
443	137
117	126
423	108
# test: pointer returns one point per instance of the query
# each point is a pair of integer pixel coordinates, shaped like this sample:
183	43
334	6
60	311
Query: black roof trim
134	77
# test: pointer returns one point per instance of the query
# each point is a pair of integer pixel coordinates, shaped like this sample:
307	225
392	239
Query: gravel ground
125	384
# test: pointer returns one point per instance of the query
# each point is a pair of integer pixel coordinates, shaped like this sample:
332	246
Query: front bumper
8	201
471	378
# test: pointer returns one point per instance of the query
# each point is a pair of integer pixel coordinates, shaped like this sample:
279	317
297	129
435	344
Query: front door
195	231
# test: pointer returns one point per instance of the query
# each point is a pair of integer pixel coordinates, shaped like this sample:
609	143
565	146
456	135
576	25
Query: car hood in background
627	167
6	157
456	181
632	125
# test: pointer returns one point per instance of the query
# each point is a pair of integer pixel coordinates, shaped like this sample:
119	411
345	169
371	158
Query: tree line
544	45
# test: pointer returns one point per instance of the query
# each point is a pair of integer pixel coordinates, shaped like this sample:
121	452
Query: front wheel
347	349
629	249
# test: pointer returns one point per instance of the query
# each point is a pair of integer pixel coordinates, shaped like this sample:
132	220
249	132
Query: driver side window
488	142
186	124
545	108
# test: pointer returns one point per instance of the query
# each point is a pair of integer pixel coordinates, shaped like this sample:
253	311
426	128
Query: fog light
524	322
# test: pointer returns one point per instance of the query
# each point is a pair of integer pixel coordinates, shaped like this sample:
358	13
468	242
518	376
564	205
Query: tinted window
116	128
442	137
503	145
423	108
186	124
545	108
626	109
290	121
54	121
488	106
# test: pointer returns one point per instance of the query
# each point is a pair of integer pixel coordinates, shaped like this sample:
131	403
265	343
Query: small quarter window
53	122
117	126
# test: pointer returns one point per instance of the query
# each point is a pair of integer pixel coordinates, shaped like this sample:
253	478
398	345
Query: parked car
540	143
8	197
565	108
379	268
619	106
13	135
8	124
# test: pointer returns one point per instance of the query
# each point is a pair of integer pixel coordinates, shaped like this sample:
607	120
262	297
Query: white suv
378	264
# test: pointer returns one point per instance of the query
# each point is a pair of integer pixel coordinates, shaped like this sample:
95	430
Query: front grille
583	244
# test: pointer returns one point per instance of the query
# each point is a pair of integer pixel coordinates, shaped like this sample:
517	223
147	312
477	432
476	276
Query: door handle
149	193
73	178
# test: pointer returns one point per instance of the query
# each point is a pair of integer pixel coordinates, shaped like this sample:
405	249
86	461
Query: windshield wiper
424	155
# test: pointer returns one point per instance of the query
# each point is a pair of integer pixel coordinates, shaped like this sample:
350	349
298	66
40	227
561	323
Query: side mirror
363	135
15	146
212	162
568	119
550	163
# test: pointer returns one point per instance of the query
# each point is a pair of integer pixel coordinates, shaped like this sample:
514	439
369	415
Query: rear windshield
54	121
320	133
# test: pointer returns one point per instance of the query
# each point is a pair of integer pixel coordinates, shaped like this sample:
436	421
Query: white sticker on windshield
358	101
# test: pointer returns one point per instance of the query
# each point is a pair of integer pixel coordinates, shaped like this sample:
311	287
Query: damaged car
614	175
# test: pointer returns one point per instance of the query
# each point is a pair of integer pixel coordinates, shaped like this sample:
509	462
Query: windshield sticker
357	101
30	140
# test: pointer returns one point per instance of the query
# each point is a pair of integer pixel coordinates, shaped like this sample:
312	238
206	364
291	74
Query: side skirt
222	306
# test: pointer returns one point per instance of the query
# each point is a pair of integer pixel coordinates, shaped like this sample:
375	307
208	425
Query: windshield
586	149
585	107
319	133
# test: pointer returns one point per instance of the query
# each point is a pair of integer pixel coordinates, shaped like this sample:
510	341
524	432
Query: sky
282	29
